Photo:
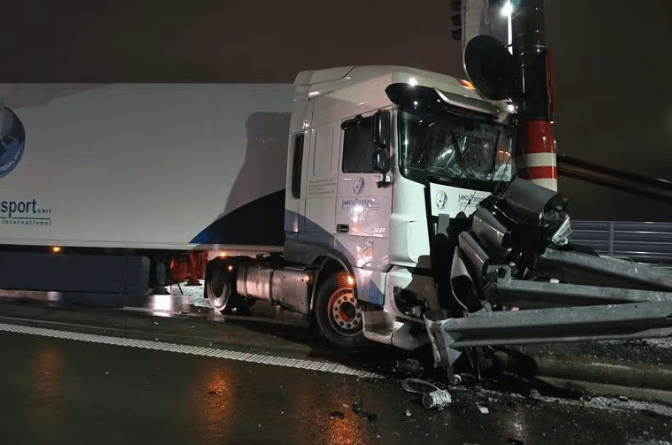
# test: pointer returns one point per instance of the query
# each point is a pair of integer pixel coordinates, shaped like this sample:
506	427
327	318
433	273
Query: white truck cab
446	149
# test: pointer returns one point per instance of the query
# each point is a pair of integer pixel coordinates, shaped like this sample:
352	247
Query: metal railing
642	242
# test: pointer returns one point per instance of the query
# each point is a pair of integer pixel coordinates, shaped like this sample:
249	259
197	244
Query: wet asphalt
61	391
55	390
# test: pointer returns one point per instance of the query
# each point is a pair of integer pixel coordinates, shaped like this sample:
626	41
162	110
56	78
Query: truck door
362	209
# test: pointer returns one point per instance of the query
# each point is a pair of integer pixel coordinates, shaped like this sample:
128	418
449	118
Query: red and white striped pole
538	149
538	157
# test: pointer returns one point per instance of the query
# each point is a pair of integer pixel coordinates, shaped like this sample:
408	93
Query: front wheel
338	314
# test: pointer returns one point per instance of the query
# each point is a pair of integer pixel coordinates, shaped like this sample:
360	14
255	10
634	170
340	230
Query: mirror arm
384	180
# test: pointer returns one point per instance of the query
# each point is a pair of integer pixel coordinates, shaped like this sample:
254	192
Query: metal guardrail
642	242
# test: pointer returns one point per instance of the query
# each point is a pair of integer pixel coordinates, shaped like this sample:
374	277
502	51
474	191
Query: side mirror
381	129
381	161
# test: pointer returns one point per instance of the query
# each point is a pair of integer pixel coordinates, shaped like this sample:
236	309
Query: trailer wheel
338	314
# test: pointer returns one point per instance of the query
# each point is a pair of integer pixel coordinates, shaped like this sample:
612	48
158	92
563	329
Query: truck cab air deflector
432	99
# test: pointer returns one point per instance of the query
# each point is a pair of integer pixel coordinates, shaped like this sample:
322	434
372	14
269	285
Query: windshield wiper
458	152
493	165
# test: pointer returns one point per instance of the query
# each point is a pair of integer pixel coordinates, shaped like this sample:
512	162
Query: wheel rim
345	314
218	283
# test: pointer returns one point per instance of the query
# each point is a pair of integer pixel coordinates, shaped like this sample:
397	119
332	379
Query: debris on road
437	399
483	409
358	409
408	413
415	386
410	367
336	415
433	396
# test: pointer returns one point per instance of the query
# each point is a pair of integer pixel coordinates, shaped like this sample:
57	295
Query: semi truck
384	203
288	193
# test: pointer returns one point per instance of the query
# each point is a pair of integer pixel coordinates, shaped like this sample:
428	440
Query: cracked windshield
455	150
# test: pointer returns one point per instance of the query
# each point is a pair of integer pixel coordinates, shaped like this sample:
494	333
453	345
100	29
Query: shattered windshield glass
454	150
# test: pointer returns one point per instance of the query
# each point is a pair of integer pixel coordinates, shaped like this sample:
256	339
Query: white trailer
124	177
140	166
108	188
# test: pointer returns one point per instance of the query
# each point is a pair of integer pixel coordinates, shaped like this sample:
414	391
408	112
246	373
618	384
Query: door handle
342	228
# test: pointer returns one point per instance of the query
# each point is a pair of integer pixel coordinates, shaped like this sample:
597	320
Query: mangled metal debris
516	254
410	367
433	396
358	408
437	399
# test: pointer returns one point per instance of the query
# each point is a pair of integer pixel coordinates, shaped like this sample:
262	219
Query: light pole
507	11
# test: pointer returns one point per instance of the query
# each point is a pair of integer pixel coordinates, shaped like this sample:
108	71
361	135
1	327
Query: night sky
613	63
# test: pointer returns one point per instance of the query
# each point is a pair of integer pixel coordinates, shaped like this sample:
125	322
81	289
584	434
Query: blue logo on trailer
12	141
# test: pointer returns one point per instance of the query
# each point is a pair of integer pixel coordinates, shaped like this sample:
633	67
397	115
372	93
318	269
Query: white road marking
333	368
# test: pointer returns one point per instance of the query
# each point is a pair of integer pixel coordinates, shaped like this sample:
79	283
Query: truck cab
380	159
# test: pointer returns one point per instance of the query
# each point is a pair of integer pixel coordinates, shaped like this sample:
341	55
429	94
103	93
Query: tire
338	315
219	286
220	289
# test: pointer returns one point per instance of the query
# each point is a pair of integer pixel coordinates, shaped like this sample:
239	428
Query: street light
507	11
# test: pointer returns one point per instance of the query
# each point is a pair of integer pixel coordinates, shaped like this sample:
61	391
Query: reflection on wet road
45	406
212	403
180	301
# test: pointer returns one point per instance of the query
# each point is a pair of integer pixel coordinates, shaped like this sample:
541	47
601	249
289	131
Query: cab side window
358	146
297	161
